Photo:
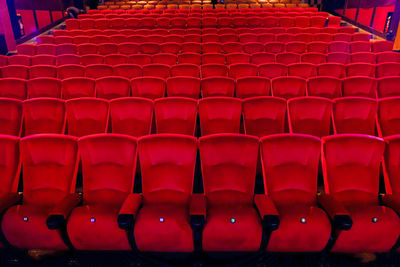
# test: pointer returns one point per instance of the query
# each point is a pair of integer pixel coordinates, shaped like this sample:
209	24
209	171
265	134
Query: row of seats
204	11
205	22
238	70
262	116
243	38
153	87
199	59
219	31
211	47
228	217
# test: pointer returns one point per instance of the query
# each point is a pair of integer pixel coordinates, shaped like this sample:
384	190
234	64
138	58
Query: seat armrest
198	211
340	216
128	211
392	201
268	212
9	199
58	215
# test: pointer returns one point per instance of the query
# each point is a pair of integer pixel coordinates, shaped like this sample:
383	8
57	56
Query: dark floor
99	259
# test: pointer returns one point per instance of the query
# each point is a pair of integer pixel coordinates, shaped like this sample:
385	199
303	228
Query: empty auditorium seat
10	116
242	69
183	86
360	69
44	115
310	115
162	212
354	115
112	87
98	71
209	70
175	115
324	86
217	86
290	167
336	70
43	157
387	69
131	116
13	88
351	168
303	70
15	71
86	116
360	86
78	87
264	115
252	86
272	70
219	115
190	70
229	164
388	116
108	170
289	87
148	87
388	87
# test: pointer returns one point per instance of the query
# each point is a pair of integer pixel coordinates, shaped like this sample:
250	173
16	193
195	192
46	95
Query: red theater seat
252	86
235	58
164	58
310	115
183	86
112	87
242	69
262	58
289	87
98	71
19	60
86	116
229	164
43	60
189	58
360	86
217	86
13	88
264	115
42	71
294	157
148	87
108	170
157	70
131	116
10	116
92	59
70	71
303	70
382	46
45	201
389	116
219	115
388	87
210	70
15	71
351	173
387	69
176	115
115	59
360	69
44	115
363	57
78	87
328	87
336	70
189	70
44	87
161	212
356	115
272	70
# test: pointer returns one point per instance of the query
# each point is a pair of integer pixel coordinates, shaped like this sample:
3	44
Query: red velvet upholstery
360	86
310	115
217	86
289	87
336	70
176	115
50	164
355	115
252	86
167	162
228	164
78	87
184	86
388	87
86	116
108	169
112	87
13	88
303	70
131	116
44	115
351	173
44	87
10	116
148	87
264	115
328	87
290	166
219	115
388	116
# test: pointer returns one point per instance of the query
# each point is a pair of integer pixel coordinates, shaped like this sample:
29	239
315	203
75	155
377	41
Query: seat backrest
167	163
219	115
112	87
108	167
148	87
228	163
355	115
391	168
252	86
10	116
388	87
78	87
351	163
13	88
44	87
360	86
217	86
44	115
289	87
290	167
264	115
328	87
86	116
9	163
389	116
176	115
310	115
183	86
131	116
50	165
